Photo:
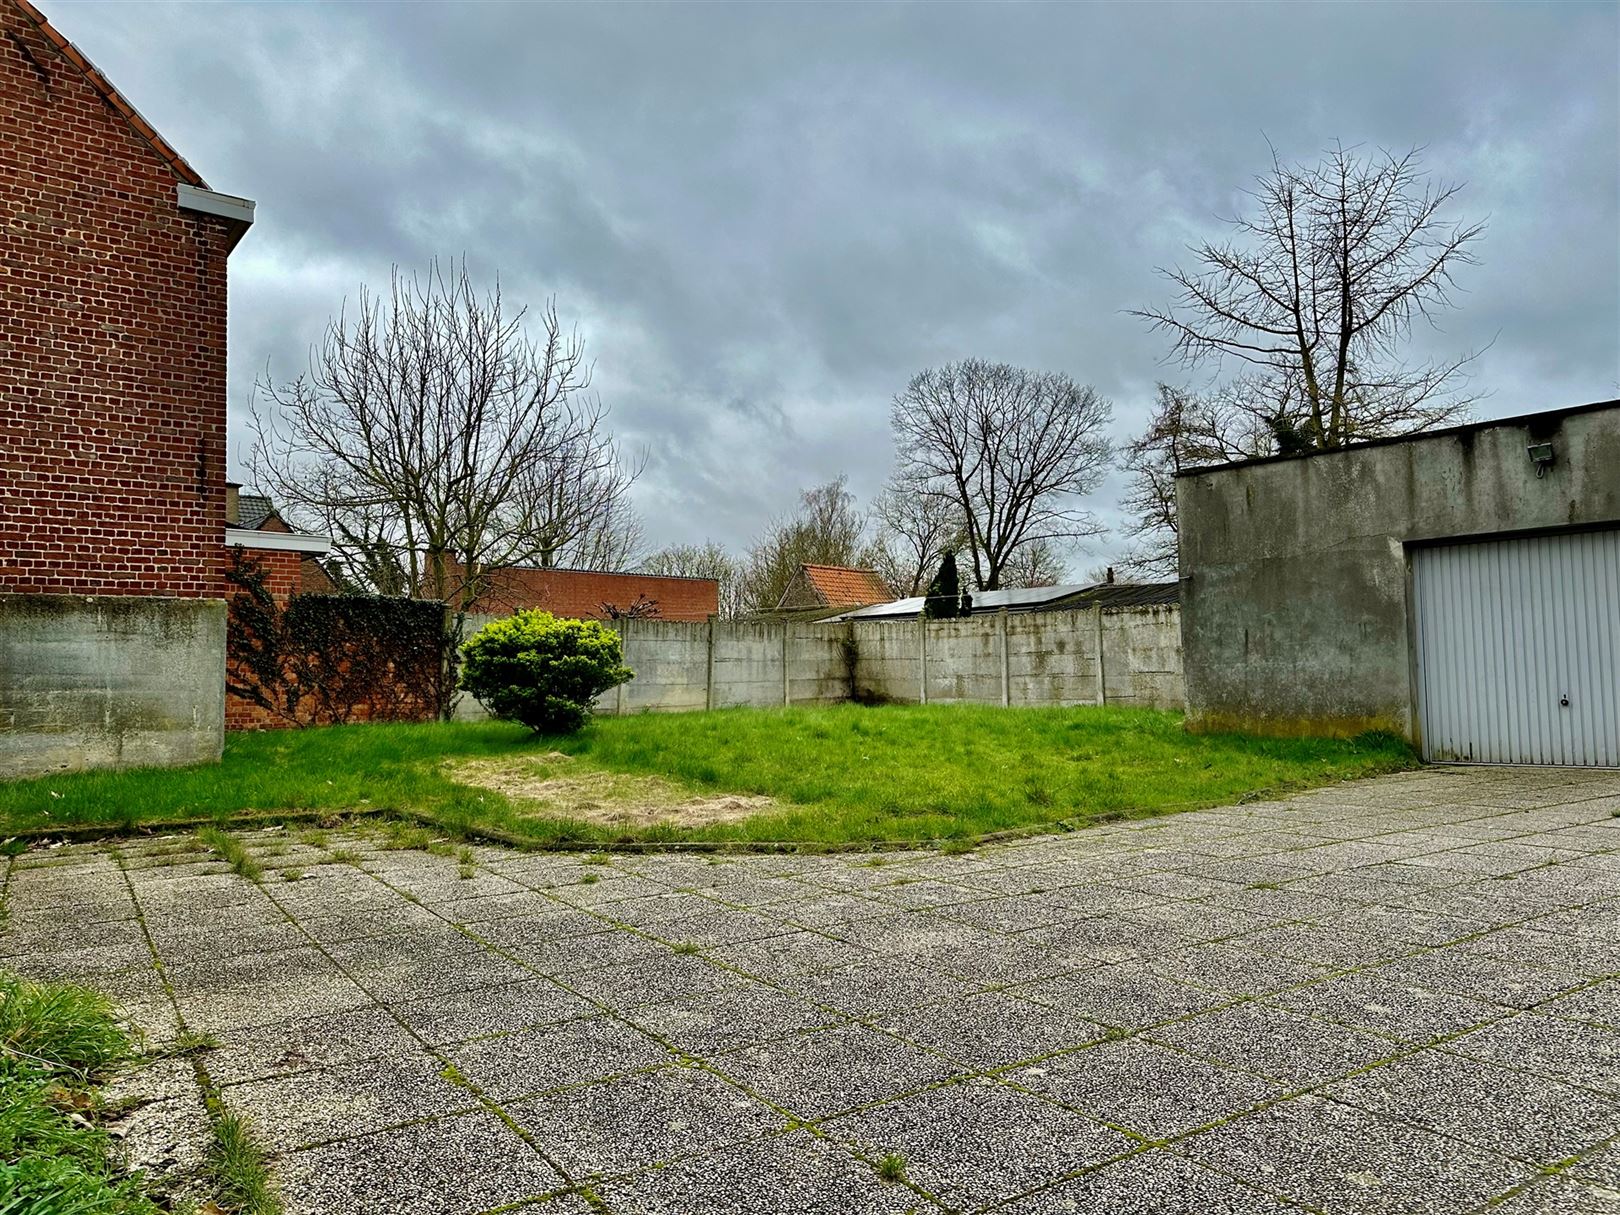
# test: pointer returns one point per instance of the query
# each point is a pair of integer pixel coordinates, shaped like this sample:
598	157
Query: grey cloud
766	218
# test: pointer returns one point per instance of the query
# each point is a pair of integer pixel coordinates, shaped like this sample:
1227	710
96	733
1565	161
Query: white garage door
1518	649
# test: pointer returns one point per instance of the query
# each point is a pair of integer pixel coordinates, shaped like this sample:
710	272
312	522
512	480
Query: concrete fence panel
1037	658
110	681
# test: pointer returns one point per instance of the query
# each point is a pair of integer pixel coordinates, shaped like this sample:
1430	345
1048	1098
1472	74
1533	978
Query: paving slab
1147	1089
1400	995
1339	1158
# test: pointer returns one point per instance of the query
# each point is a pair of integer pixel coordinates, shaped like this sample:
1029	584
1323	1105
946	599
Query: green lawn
839	775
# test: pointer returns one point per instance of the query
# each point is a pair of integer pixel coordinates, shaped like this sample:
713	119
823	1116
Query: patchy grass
823	776
239	1168
911	772
56	1042
232	851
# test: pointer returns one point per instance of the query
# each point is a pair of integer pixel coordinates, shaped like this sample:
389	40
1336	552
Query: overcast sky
766	218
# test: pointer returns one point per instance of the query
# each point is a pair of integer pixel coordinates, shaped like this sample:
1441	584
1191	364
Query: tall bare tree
1014	450
419	436
1038	563
826	530
914	530
706	560
577	496
1319	291
1232	422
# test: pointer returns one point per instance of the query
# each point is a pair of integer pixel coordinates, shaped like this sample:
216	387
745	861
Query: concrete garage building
1460	588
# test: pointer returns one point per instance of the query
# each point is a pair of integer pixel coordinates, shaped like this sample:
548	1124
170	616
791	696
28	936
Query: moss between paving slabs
828	776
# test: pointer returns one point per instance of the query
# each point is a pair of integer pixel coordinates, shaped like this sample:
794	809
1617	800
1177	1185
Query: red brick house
292	560
112	421
588	594
112	350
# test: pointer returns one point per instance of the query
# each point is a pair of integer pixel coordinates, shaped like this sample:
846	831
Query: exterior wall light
1541	455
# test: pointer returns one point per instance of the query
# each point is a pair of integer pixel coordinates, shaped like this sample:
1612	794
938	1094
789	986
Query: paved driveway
1392	996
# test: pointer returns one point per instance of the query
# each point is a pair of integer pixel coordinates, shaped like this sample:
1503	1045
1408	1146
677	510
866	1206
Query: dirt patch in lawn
549	786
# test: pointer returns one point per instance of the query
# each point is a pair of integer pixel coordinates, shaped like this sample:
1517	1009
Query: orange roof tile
841	587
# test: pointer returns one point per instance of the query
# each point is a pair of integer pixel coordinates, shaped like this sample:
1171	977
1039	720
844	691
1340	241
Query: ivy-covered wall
305	660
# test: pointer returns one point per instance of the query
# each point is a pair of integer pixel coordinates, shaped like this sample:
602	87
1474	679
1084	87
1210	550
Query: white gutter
282	542
227	206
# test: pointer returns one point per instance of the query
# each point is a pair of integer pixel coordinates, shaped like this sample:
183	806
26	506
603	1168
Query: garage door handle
1564	700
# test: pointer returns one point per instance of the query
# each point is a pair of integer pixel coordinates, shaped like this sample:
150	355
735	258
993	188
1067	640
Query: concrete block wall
1142	657
1054	662
1034	659
109	681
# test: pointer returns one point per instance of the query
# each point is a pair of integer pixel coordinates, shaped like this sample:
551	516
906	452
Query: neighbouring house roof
1037	599
833	586
1127	594
588	594
253	522
253	510
112	96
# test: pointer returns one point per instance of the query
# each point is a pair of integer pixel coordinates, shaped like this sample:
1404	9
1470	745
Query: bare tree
1038	563
1186	429
577	497
1320	290
706	560
1014	450
826	530
914	530
423	434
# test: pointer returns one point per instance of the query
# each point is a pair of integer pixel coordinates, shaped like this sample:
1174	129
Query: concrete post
922	660
787	685
1102	671
1006	662
624	652
708	687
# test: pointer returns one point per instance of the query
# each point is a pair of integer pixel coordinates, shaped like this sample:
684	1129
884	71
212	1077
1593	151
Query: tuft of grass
189	1042
232	851
958	847
596	858
687	947
892	1168
590	879
56	1042
346	856
239	1167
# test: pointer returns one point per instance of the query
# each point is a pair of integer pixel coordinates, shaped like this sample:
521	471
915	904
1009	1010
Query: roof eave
237	212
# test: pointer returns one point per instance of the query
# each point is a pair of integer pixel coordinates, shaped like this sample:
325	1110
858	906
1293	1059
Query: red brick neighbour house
291	560
113	254
589	594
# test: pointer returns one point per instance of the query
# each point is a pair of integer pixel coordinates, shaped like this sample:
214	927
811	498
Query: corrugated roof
1037	599
840	586
1128	594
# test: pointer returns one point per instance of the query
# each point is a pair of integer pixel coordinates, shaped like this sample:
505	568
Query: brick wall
580	594
287	574
112	346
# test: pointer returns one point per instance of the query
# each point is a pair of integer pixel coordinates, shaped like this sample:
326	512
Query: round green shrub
542	670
